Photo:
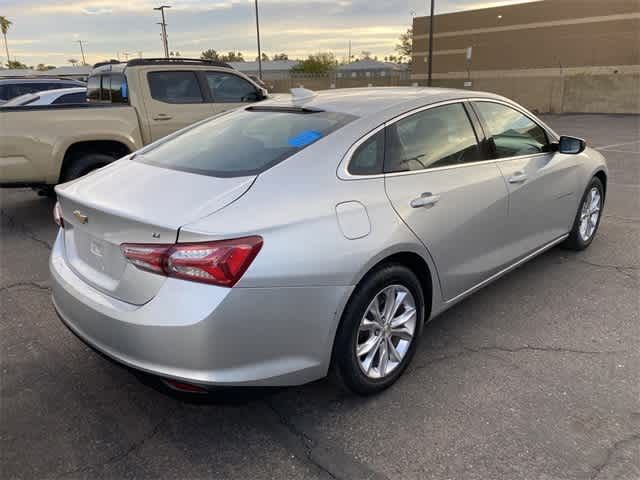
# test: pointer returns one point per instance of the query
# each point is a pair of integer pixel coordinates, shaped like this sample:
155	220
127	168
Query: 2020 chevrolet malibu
313	233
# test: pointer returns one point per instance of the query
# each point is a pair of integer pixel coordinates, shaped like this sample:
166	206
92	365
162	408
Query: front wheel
588	217
379	330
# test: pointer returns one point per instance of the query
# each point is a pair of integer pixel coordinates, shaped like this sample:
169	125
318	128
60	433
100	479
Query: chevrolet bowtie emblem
82	218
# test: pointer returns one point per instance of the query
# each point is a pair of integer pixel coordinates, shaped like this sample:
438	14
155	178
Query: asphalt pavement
535	377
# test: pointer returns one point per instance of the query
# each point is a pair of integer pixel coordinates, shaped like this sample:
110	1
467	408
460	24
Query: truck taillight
221	262
57	215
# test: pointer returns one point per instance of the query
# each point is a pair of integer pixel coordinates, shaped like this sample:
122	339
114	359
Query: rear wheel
379	330
84	164
587	220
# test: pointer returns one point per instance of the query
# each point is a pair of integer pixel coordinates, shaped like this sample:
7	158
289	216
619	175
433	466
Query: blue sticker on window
304	138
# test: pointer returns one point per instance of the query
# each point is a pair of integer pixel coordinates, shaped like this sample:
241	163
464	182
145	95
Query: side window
436	137
79	97
175	87
368	158
227	87
511	132
93	88
116	89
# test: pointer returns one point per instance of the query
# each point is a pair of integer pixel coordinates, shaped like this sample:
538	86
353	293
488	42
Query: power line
430	44
165	41
80	42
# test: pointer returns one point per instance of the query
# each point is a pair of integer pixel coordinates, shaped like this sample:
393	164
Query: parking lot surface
535	377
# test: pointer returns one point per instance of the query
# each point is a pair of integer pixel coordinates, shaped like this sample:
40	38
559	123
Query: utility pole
349	57
165	42
259	51
430	45
84	62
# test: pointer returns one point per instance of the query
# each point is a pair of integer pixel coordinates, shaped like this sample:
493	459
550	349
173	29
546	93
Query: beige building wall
552	55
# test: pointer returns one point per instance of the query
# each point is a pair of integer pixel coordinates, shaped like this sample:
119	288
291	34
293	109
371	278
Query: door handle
162	116
518	177
427	199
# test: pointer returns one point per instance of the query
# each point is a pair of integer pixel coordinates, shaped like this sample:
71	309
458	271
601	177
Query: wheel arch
602	176
420	265
112	148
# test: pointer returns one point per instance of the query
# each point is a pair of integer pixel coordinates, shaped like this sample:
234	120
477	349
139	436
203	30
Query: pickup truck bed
34	141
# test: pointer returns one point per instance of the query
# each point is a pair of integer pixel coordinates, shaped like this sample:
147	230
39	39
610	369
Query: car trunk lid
131	202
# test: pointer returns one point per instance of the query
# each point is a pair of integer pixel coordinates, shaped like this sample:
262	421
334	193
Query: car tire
577	239
348	369
84	164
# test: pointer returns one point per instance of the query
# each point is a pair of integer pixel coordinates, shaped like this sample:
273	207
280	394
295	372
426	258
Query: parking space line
604	147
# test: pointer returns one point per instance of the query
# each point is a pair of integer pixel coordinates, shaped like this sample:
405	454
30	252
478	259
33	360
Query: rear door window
436	137
175	87
79	97
230	88
107	88
242	143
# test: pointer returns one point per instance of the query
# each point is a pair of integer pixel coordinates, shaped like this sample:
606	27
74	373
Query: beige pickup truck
128	106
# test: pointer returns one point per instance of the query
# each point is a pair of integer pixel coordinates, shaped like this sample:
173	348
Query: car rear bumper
205	334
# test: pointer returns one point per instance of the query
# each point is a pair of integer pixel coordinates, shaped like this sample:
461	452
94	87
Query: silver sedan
314	233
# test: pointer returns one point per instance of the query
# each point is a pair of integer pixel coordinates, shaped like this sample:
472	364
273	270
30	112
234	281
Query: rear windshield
242	143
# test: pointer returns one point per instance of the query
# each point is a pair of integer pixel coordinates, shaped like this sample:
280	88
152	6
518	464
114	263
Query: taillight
221	262
57	215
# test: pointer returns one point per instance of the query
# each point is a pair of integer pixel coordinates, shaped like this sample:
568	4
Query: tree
280	56
15	64
73	61
365	55
5	25
265	57
210	54
321	62
42	67
405	47
232	57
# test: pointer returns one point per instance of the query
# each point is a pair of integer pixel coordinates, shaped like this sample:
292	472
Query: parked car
129	105
50	97
16	86
272	244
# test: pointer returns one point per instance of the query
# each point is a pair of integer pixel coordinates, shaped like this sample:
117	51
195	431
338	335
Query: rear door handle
427	199
162	116
518	177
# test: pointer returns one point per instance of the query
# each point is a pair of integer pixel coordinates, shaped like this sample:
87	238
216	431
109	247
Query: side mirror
571	145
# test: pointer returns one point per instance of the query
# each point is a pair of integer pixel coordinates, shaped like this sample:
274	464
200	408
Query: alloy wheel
386	331
589	214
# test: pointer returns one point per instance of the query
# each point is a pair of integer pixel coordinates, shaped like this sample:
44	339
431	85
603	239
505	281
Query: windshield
245	142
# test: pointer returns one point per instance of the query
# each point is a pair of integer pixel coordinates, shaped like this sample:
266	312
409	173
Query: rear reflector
184	387
221	262
57	215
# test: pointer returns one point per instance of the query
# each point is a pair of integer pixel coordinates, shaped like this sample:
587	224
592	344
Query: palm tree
5	24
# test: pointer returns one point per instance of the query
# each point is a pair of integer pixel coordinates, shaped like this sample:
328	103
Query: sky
47	31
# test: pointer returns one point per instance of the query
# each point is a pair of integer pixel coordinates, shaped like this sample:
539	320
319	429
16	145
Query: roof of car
371	100
39	79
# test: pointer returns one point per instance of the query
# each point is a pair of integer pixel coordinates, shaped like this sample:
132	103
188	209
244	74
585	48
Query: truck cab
170	94
129	105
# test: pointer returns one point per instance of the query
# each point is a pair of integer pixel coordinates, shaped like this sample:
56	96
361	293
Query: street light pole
259	50
84	62
430	44
164	29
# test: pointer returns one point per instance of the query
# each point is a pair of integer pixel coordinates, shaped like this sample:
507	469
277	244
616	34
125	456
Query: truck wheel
84	164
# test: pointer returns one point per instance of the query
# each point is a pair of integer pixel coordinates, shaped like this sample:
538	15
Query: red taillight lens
57	215
146	257
219	263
